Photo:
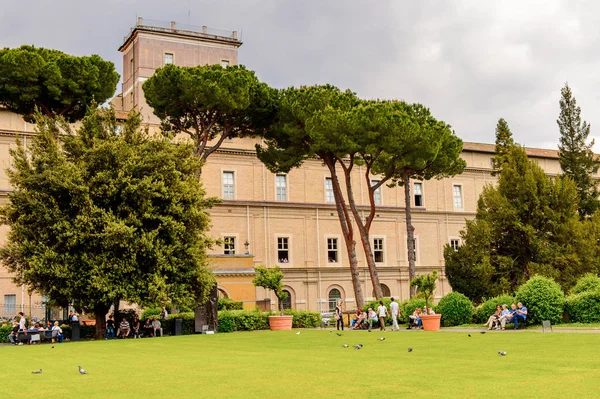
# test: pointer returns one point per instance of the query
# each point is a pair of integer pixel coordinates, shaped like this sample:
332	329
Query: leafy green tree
271	279
504	142
576	157
210	103
296	136
110	215
58	84
526	225
426	284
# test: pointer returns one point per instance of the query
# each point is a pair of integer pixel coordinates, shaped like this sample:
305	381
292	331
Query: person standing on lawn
520	314
382	313
339	316
394	308
110	327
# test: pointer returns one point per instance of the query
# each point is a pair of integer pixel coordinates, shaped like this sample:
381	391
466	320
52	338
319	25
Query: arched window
222	293
287	302
334	296
385	291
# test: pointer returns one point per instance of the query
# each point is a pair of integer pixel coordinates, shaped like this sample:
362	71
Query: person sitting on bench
415	319
124	329
57	332
156	326
13	337
147	329
360	320
520	315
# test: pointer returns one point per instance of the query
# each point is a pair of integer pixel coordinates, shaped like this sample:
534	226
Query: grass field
312	364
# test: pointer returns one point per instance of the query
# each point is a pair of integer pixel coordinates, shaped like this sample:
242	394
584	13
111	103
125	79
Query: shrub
543	298
587	282
408	307
584	307
243	320
228	304
188	323
4	331
149	313
486	309
304	318
456	309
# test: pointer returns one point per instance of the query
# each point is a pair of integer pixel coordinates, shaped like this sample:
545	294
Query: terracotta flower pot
431	322
280	322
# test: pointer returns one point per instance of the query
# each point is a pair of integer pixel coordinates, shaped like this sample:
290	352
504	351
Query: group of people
366	319
32	335
125	329
414	320
517	313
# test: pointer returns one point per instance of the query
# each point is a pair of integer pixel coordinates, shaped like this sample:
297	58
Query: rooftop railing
177	27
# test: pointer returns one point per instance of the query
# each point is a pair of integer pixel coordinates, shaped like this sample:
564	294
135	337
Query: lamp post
247	245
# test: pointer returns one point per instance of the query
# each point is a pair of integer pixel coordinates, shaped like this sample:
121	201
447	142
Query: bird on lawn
501	353
37	372
82	371
381	339
469	335
483	332
339	335
52	346
345	345
298	333
357	347
410	349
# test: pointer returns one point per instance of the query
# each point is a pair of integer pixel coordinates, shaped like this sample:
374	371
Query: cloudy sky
470	61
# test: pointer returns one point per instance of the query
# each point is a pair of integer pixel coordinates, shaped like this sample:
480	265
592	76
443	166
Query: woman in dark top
339	317
136	328
110	328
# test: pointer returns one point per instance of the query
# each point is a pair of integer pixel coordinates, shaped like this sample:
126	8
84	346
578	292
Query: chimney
173	24
204	28
234	35
140	21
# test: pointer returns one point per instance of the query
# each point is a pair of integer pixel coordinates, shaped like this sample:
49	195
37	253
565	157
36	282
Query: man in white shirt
382	313
394	308
22	322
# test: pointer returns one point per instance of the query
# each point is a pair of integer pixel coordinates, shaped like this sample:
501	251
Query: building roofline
491	149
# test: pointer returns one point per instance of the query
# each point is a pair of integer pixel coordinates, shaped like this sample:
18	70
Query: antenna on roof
189	12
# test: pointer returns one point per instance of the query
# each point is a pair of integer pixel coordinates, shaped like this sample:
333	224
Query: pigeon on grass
502	353
483	332
357	347
469	335
410	349
37	372
82	371
345	345
381	339
298	333
339	335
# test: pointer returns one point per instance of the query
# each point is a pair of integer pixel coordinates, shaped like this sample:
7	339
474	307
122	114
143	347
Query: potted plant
271	279
426	287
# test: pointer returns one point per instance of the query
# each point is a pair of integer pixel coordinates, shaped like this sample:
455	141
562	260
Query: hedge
456	309
584	307
543	298
243	320
587	282
228	304
486	309
4	331
304	318
150	313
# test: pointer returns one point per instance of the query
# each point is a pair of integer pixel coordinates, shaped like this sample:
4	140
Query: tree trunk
410	233
364	235
100	316
348	233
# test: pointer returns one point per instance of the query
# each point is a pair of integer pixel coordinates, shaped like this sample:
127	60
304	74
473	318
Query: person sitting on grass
360	321
124	329
507	315
110	327
59	334
372	318
136	327
493	319
520	315
148	328
156	326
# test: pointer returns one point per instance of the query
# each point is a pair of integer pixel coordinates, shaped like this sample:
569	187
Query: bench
36	336
326	319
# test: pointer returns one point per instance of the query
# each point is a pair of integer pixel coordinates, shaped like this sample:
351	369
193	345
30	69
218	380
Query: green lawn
311	365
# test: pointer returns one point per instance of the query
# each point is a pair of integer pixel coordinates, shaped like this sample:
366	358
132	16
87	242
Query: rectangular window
283	249
332	250
229	245
418	189
457	197
491	162
378	249
224	63
228	185
132	67
329	190
454	243
414	248
10	304
281	187
168	58
377	193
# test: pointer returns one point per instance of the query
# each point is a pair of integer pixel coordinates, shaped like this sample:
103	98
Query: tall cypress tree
575	154
504	142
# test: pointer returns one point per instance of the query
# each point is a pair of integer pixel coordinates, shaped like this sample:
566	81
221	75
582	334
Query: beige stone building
287	220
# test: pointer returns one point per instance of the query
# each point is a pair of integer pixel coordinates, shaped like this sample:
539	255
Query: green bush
408	307
304	318
228	304
543	298
149	313
188	323
456	309
486	309
243	320
4	331
584	307
587	282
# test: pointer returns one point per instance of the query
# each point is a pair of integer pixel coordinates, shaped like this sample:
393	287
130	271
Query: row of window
333	256
169	60
10	304
281	190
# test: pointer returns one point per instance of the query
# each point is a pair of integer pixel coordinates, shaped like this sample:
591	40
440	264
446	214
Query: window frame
338	259
462	203
223	184
225	63
285	187
421	194
327	190
378	193
236	240
382	249
8	307
454	239
165	59
289	250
